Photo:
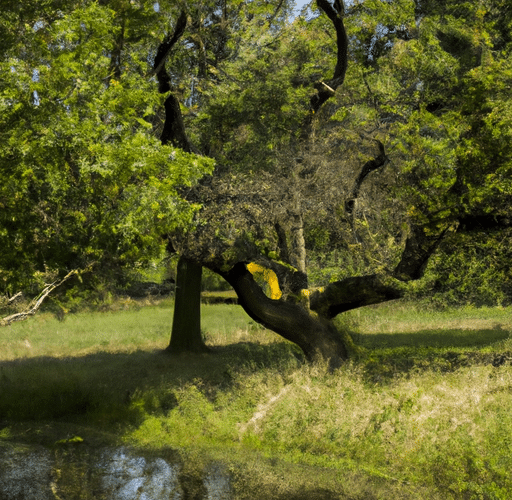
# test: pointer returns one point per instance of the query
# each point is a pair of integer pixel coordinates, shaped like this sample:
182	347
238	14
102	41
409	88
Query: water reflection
25	475
110	474
130	478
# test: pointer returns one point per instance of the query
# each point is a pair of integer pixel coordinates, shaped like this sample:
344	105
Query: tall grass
423	411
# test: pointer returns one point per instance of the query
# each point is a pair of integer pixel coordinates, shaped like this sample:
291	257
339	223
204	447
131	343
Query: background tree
83	176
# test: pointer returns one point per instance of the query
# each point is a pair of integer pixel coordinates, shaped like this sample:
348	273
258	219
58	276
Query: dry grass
424	412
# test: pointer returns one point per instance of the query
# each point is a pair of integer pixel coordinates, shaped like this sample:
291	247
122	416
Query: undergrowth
423	411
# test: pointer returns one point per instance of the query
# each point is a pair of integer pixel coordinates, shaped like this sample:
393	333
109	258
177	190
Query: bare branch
278	8
336	14
14	297
36	303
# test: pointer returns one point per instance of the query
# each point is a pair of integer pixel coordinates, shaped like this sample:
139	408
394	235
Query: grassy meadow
423	409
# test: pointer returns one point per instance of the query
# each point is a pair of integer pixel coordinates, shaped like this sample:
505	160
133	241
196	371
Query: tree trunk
298	243
307	320
186	326
316	336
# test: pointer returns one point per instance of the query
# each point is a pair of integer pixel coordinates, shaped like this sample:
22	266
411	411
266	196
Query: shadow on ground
102	387
446	338
388	355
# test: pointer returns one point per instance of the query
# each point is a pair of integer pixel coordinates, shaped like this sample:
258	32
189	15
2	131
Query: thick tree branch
483	222
164	50
352	293
420	245
317	338
379	161
335	13
359	291
174	128
326	89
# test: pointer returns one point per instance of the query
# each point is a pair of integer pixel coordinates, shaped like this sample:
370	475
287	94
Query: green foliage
85	179
83	176
431	81
327	267
487	144
211	281
475	272
245	116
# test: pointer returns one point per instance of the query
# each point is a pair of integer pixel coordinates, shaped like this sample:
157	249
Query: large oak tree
367	133
365	113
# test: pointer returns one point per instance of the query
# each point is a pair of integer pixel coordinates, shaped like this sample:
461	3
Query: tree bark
298	243
378	162
354	292
317	337
419	246
186	326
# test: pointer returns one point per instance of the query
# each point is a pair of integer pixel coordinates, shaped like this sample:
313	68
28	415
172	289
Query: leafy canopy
83	176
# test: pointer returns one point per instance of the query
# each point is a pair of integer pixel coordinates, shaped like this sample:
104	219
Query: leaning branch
36	303
421	243
14	297
165	48
326	89
375	163
354	292
359	291
336	13
317	339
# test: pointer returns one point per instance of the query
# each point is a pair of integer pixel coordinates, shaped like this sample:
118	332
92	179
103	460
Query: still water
107	474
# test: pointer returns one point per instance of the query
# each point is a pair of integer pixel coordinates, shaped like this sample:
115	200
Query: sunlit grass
122	330
423	411
409	317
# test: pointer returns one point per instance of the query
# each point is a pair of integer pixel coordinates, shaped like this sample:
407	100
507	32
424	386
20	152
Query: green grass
420	412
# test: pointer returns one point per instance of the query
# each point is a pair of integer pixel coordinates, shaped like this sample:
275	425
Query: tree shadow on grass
111	391
392	354
445	338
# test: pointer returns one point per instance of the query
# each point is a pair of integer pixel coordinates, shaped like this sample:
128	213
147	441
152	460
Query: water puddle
108	474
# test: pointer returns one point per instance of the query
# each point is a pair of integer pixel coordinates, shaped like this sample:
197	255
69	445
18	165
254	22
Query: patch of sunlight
268	276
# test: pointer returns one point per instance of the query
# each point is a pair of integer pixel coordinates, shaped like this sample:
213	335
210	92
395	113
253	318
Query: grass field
423	410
